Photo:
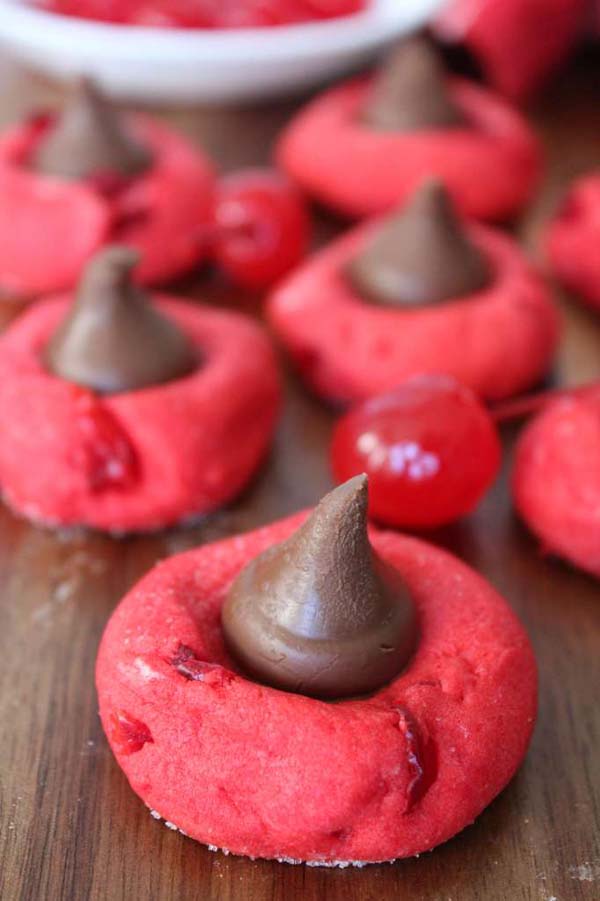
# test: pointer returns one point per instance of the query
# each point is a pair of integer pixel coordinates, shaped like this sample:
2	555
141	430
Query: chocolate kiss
89	138
410	92
113	338
322	614
419	256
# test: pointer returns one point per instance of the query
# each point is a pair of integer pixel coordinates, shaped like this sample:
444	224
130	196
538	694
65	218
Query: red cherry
329	9
128	734
262	227
204	13
429	447
105	453
190	666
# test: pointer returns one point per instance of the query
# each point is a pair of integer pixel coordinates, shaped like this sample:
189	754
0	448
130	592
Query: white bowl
183	65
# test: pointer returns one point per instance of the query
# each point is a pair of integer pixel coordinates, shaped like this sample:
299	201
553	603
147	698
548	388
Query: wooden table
71	828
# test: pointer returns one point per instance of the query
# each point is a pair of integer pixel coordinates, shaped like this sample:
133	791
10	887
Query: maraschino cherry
261	227
430	449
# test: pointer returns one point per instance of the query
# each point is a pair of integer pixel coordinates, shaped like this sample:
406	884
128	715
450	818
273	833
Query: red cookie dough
556	479
573	240
143	459
266	773
497	342
490	167
49	227
518	43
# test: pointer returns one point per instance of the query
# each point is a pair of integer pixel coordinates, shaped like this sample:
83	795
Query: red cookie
518	43
556	479
497	342
573	238
142	459
267	773
163	213
490	168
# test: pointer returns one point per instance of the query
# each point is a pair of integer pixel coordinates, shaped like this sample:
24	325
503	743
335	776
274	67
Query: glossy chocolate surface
322	614
421	255
90	138
410	93
114	339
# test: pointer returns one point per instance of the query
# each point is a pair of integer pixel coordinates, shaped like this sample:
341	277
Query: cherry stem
521	407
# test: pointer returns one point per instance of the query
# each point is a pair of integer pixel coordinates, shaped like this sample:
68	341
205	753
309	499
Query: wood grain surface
71	828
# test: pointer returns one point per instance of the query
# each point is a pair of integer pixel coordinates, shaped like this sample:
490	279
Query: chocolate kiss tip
410	92
353	490
322	614
420	255
114	263
113	338
89	138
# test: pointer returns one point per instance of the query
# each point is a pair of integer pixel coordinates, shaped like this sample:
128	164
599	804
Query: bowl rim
306	39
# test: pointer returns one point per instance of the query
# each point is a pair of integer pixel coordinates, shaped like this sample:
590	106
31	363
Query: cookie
62	176
517	43
264	772
489	159
556	479
572	238
127	413
498	339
